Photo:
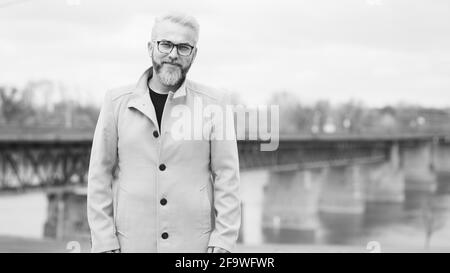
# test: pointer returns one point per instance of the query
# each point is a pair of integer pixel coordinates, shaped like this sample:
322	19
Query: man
148	190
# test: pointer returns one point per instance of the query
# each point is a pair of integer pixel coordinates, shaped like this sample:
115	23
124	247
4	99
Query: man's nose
174	53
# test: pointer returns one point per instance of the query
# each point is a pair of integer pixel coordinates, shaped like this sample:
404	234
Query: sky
378	52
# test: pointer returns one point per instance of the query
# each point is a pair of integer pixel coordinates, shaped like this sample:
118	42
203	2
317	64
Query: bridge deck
43	158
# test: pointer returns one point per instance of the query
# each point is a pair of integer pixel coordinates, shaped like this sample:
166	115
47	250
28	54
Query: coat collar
141	101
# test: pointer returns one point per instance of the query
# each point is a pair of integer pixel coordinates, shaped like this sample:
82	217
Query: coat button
162	167
165	235
163	201
155	134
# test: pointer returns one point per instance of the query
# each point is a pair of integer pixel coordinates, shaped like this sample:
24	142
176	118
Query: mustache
172	63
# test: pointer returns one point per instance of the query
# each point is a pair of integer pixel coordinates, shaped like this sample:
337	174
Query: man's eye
184	47
165	45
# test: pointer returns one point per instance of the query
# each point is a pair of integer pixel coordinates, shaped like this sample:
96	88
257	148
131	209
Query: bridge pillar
441	159
385	181
252	196
290	206
66	215
342	190
418	167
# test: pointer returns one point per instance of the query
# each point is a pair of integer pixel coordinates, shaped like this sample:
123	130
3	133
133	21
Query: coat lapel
141	99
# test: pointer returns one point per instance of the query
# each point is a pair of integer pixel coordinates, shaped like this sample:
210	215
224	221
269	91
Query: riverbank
27	245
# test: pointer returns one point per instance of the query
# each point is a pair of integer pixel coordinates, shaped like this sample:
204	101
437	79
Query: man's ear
150	49
194	54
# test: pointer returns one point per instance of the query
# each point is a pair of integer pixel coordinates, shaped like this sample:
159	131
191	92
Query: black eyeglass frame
175	45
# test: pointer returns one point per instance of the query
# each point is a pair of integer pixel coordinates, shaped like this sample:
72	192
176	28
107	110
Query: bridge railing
31	162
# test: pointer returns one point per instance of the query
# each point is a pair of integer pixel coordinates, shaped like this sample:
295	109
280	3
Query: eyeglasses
166	47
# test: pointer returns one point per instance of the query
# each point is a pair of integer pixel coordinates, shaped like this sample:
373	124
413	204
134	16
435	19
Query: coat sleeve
100	177
225	172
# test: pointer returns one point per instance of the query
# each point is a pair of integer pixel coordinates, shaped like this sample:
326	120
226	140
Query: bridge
304	176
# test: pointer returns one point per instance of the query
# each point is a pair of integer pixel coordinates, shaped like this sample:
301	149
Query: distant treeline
19	108
354	117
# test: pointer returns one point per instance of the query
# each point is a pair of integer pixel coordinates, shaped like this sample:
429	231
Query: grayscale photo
224	127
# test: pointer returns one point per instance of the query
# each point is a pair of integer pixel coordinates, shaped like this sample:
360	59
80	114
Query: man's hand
215	249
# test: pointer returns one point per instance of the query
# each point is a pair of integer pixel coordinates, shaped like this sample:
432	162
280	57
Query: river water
396	225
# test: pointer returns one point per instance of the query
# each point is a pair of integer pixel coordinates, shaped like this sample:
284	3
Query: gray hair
178	18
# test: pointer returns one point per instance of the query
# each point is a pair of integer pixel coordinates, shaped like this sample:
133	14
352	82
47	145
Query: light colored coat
125	184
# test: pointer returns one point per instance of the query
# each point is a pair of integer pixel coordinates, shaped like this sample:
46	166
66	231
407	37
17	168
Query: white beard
169	77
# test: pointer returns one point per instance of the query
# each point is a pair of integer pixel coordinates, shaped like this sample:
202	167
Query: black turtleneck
159	100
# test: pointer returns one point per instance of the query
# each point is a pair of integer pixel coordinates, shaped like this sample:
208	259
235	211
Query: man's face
171	68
